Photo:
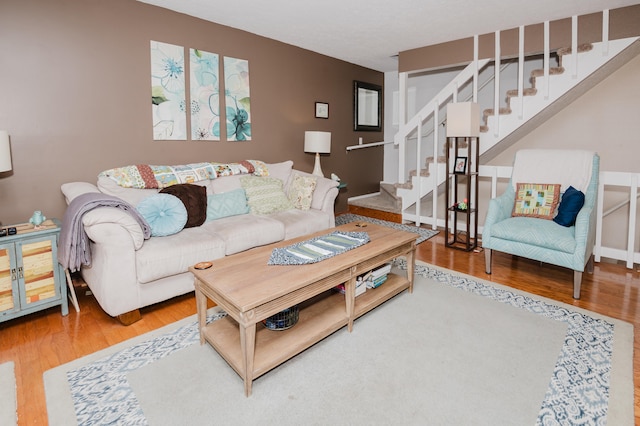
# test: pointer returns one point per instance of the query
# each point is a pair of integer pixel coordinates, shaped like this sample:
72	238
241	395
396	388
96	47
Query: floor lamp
319	143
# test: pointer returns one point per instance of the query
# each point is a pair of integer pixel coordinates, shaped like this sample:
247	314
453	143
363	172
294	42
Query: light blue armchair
542	239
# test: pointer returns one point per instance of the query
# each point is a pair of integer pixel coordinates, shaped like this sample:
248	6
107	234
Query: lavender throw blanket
74	250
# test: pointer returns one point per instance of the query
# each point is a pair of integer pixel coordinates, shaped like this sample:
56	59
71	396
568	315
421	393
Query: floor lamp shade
463	119
319	143
5	152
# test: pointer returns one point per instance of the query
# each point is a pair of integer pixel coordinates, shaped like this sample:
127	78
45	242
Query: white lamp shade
5	152
317	142
463	119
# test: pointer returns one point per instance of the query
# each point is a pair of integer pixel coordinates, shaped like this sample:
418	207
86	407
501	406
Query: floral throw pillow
301	191
536	200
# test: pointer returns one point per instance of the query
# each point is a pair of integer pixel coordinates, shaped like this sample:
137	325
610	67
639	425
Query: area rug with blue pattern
458	350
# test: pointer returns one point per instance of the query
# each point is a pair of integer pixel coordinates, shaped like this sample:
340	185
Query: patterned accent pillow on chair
536	200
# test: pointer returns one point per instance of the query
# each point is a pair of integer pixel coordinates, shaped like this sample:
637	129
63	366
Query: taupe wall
623	22
75	99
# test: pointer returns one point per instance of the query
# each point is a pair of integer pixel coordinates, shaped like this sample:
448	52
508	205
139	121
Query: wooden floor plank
45	340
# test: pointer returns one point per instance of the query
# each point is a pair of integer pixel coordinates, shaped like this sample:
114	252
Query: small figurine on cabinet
37	219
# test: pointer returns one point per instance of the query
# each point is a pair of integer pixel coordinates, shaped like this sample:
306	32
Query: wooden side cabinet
31	279
462	158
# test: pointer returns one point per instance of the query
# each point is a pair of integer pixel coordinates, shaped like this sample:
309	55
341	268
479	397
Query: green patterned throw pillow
265	195
536	200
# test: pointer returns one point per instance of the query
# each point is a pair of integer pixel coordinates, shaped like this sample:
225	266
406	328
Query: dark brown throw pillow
194	198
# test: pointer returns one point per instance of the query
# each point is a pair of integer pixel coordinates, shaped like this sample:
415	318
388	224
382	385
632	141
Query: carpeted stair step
389	191
386	200
490	112
424	172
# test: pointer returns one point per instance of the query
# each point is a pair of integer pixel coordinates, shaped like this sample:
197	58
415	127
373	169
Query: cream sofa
128	272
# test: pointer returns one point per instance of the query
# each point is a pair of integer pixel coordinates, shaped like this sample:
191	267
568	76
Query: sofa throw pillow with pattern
536	200
194	198
570	204
265	194
227	204
301	191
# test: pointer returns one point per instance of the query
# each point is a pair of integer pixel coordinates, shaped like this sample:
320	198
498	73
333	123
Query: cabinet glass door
7	270
38	269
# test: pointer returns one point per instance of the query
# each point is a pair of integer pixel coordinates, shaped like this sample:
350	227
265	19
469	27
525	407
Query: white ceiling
371	32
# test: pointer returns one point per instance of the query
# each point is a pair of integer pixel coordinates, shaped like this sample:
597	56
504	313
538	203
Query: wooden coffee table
249	290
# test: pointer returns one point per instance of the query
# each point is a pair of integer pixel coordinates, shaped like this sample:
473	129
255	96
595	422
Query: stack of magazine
378	276
372	279
361	287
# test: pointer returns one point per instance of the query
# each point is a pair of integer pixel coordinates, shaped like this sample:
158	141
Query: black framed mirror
367	107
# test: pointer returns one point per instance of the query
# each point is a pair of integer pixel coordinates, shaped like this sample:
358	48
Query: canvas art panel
237	99
205	95
168	99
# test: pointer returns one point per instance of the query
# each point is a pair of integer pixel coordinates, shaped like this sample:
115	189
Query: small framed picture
460	165
322	110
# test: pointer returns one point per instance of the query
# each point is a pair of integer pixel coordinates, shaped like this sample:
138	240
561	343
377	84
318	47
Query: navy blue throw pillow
570	204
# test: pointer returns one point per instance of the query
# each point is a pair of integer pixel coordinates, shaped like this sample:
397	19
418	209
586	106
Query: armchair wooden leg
487	260
577	282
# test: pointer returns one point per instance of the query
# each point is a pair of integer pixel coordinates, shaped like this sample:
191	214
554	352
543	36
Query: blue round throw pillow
165	213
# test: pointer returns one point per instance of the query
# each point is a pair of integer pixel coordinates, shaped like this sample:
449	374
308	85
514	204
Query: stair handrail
448	92
503	66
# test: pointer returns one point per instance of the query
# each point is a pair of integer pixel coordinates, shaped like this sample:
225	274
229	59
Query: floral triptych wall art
168	95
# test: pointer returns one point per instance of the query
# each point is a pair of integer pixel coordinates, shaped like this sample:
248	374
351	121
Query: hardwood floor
45	340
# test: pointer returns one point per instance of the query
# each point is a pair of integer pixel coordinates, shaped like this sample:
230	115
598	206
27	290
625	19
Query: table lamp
319	143
5	152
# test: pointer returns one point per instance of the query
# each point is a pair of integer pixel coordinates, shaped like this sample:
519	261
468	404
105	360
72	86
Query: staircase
548	93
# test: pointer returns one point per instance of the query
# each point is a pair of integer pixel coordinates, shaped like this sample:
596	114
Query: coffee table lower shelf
319	317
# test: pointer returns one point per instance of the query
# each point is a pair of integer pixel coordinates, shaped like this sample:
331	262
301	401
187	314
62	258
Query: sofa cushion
227	204
132	196
280	170
164	257
194	198
300	191
536	200
302	222
265	194
570	205
240	233
164	213
537	232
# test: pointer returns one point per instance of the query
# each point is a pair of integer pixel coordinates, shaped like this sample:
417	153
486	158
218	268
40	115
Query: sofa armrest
72	189
103	216
325	194
99	223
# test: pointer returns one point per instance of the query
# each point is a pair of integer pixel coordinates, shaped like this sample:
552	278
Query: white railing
625	180
447	94
431	113
629	253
